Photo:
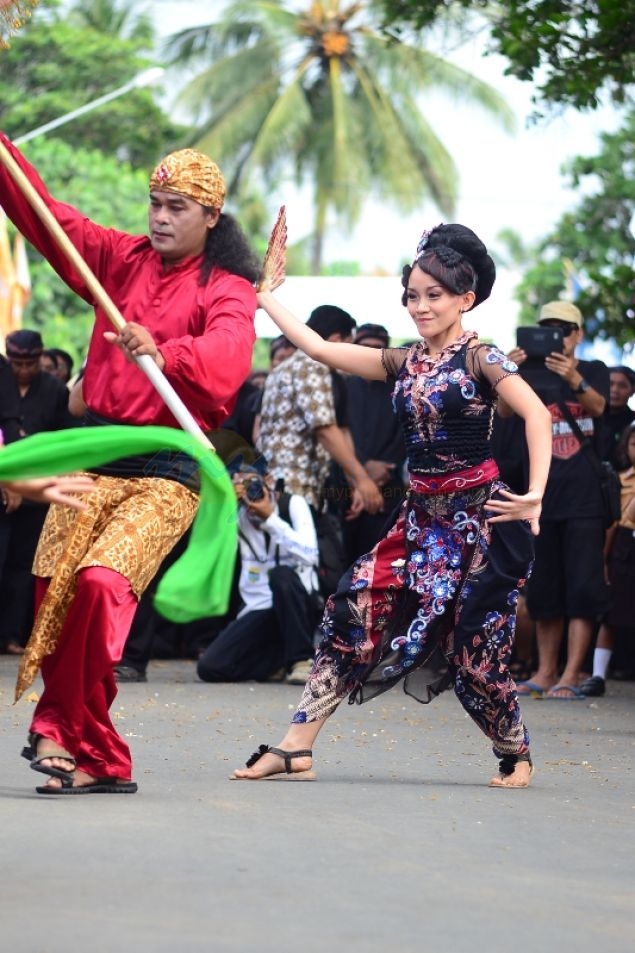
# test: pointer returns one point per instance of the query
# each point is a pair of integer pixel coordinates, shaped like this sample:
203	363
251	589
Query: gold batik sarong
129	525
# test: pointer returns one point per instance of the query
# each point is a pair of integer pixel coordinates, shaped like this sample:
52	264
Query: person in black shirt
567	586
379	445
36	401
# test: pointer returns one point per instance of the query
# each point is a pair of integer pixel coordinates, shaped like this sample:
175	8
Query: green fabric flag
199	583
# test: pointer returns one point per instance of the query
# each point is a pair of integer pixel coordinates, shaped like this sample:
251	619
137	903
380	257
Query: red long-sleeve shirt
205	334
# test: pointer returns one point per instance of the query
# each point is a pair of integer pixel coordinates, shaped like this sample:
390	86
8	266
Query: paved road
399	845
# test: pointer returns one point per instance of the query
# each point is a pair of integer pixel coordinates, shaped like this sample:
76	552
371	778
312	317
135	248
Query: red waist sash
452	482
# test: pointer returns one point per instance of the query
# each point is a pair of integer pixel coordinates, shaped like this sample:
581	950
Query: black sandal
287	756
98	786
30	753
507	766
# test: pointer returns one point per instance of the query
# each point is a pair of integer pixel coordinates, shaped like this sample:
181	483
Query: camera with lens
254	490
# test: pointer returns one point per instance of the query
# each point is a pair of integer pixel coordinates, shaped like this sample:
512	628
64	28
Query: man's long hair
227	247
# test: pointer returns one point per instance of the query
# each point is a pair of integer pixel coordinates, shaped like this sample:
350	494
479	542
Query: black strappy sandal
507	766
287	756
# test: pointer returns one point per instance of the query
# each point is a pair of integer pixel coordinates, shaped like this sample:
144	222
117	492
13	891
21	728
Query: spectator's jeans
265	640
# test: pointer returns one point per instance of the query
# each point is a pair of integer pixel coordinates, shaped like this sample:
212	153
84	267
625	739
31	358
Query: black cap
23	344
365	331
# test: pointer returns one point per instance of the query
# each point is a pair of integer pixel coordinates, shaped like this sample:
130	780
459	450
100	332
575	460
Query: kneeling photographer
567	586
271	638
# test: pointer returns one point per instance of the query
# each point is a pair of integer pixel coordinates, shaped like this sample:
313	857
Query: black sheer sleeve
393	359
489	365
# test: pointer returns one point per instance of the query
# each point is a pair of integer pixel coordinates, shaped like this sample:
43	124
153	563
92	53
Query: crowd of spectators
303	439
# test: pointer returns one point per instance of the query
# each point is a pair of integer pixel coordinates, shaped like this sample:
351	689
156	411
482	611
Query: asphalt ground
398	845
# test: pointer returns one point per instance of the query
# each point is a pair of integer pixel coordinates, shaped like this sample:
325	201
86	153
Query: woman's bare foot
519	778
271	763
291	760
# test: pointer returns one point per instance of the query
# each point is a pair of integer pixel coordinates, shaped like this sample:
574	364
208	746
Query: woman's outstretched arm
362	361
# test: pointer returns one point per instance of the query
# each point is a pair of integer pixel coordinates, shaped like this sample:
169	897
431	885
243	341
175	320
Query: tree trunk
317	240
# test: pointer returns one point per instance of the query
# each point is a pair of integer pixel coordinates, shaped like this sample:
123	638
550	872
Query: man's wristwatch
582	387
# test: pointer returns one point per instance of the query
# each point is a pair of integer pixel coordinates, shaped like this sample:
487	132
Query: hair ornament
423	241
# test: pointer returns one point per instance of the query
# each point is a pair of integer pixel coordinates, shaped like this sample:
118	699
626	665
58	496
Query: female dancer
448	572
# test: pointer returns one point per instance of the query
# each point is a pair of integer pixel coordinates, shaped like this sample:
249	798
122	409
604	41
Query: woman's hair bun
463	241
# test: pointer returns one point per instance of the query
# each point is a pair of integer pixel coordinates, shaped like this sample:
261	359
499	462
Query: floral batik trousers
442	579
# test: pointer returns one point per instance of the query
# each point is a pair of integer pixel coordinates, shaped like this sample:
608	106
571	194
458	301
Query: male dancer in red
187	294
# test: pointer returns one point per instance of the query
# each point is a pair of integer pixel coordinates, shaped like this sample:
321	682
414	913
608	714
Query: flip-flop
98	786
575	694
531	690
30	753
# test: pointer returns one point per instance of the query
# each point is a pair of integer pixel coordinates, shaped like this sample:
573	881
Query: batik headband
190	173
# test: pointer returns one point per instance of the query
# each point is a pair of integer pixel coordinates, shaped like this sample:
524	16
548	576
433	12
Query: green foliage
597	239
544	281
338	269
53	69
321	92
107	191
573	50
260	359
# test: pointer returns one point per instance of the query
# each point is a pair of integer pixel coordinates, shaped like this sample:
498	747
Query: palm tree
325	92
113	18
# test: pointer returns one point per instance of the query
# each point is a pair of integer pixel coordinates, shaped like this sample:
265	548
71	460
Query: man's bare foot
272	763
519	778
80	778
48	755
83	783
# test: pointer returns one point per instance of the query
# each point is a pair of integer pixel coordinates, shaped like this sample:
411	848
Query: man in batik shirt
299	431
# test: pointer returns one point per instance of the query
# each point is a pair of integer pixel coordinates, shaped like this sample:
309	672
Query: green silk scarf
199	583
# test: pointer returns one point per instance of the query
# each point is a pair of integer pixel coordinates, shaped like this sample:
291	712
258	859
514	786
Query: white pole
147	78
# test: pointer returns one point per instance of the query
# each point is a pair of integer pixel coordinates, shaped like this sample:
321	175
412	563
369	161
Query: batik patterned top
297	401
446	404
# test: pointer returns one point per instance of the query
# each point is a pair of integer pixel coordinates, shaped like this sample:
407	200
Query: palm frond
321	91
238	126
408	69
283	124
228	81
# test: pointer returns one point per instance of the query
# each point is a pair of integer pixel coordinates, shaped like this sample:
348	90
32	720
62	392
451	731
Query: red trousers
79	685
